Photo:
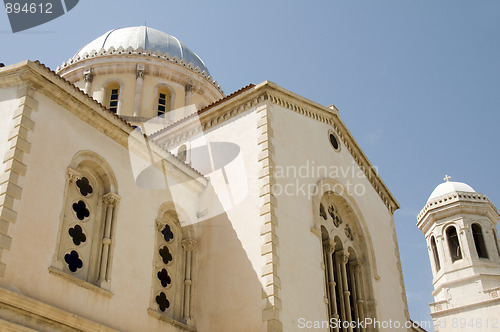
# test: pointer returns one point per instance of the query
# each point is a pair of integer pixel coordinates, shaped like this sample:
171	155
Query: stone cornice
454	203
102	53
72	99
267	91
39	311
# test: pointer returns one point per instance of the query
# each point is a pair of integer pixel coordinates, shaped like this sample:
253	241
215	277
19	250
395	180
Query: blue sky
417	82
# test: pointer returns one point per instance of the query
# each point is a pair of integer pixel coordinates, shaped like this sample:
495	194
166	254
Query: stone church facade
136	196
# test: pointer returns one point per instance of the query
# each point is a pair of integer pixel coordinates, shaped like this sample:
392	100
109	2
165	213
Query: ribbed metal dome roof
145	38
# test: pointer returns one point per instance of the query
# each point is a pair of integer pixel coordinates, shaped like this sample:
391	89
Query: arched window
477	233
345	261
453	243
435	254
163	101
87	228
172	274
495	237
112	96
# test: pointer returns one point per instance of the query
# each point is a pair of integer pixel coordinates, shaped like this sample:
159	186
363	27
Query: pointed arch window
477	234
87	228
453	243
435	254
112	96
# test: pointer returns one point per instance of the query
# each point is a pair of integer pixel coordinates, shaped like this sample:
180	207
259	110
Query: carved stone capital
343	256
88	76
110	199
73	175
140	71
189	244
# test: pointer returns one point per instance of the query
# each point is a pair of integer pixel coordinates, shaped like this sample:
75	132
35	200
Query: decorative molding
15	163
141	52
111	199
252	96
270	244
21	306
80	282
171	321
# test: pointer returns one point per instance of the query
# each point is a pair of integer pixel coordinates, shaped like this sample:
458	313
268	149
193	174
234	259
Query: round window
334	141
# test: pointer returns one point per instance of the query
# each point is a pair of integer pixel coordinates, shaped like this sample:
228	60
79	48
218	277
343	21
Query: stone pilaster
15	164
270	243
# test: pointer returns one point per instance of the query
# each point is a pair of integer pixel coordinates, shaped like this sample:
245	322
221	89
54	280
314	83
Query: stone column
138	89
344	257
442	249
354	289
329	249
189	245
360	302
188	89
338	262
110	200
467	245
88	77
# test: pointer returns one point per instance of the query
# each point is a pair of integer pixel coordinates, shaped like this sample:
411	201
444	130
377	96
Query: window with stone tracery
343	263
87	227
171	291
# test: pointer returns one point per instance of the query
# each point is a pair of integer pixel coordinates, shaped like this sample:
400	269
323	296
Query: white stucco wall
301	141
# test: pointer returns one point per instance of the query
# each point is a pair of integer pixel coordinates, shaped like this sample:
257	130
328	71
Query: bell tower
460	230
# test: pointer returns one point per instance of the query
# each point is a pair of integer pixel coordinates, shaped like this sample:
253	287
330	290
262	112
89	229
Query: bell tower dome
460	230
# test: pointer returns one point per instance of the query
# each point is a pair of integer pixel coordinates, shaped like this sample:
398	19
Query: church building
136	196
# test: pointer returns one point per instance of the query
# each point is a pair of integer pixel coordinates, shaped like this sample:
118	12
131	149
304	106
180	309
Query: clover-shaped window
77	235
162	301
167	233
165	255
164	278
81	210
84	186
73	260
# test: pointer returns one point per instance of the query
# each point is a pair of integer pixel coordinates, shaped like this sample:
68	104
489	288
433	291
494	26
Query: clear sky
416	82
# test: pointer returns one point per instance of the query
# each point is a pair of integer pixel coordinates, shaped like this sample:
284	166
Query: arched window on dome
112	96
162	101
86	235
435	254
477	234
453	243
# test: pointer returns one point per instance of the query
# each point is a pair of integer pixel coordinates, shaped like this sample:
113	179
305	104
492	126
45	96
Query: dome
145	38
449	187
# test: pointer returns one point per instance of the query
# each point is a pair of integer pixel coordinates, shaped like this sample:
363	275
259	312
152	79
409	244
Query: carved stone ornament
73	175
189	244
322	211
110	199
348	232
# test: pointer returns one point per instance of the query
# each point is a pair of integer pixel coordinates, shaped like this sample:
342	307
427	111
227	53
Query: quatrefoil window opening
84	187
162	301
165	254
73	261
167	233
164	278
77	234
81	210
